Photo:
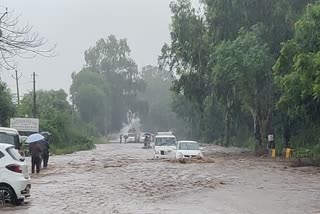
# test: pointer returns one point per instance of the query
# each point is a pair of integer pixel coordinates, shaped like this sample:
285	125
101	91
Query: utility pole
17	83
34	95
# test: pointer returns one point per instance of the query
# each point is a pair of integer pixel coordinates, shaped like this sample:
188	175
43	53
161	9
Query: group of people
125	137
39	152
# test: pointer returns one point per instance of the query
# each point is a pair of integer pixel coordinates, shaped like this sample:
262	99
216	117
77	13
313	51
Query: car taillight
14	168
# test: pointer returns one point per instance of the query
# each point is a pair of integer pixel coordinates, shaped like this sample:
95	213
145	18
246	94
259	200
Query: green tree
7	108
220	71
115	84
243	67
157	95
89	94
56	116
297	73
188	55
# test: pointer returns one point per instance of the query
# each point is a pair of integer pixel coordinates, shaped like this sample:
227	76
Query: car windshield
14	154
188	146
169	141
7	138
12	139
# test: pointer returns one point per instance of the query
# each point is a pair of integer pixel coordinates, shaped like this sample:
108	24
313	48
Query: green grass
100	140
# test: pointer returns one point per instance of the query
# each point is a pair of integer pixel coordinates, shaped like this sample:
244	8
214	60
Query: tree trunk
286	132
259	150
227	129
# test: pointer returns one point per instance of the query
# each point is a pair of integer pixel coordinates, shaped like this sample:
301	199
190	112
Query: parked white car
10	136
15	182
164	145
188	149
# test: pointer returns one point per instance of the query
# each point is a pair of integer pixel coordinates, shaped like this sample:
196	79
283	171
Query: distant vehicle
165	133
164	145
188	149
15	182
132	138
10	136
143	136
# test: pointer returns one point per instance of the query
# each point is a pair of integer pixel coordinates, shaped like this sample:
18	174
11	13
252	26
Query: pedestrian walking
36	153
45	153
120	138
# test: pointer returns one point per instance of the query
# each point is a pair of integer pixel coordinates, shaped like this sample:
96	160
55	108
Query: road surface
116	178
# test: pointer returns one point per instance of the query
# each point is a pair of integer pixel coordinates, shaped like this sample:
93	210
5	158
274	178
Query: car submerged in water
165	145
188	149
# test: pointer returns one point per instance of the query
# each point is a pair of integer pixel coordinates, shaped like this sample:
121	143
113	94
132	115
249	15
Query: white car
188	149
10	136
131	138
15	182
164	145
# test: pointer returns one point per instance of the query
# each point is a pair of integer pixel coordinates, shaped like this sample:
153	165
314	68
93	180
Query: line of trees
247	69
233	73
110	91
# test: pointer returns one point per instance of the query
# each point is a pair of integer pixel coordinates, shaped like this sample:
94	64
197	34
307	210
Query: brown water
116	178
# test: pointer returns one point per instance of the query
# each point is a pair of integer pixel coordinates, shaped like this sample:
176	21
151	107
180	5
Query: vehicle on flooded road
10	136
164	145
131	138
15	182
188	149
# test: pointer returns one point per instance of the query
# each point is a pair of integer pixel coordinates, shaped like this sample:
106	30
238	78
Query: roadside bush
69	132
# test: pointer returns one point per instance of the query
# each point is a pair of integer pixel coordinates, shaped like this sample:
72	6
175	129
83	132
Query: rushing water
116	178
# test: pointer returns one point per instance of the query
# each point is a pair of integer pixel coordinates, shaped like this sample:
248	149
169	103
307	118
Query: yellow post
288	153
273	155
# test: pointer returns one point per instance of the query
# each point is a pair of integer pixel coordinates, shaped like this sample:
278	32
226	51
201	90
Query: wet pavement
116	178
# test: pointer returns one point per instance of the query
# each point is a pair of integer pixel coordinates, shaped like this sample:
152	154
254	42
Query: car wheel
7	196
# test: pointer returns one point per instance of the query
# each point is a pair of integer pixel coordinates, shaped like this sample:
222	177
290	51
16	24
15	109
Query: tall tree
157	95
89	93
7	108
246	63
115	83
296	70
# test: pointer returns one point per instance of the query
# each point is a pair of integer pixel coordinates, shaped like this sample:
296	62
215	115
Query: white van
165	145
10	136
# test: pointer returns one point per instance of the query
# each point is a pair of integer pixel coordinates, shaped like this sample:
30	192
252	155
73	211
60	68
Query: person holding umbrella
35	149
45	148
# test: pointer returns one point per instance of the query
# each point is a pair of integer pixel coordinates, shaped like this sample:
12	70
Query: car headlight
156	152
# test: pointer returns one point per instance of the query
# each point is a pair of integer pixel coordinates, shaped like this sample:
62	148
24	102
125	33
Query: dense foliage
158	114
224	57
7	107
57	116
239	70
105	90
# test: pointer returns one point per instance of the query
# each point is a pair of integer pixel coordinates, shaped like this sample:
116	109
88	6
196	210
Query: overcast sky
75	25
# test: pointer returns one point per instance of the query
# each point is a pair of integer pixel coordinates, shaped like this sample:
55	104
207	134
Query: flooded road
116	178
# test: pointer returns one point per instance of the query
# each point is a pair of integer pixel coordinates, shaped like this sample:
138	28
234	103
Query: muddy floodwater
116	178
